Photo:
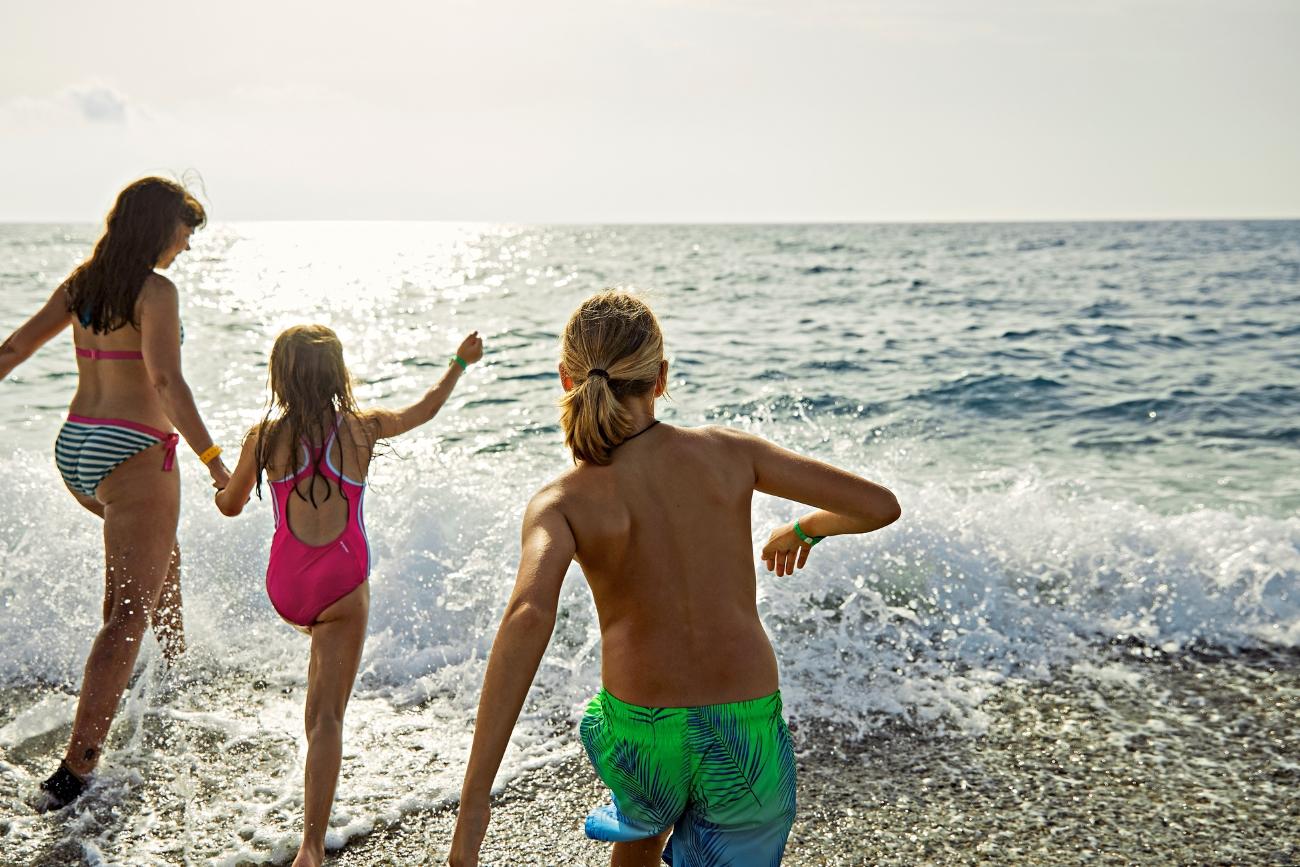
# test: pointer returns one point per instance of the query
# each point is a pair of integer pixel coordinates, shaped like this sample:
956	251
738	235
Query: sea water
1092	428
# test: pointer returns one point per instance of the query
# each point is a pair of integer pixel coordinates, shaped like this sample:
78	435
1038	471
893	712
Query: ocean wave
980	586
998	393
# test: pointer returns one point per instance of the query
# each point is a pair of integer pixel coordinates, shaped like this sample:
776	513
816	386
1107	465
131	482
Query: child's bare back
663	537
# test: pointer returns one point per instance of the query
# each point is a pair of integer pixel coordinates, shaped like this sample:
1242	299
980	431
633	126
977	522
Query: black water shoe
61	789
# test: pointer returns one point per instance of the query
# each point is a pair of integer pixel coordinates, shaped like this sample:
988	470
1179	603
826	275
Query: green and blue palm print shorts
721	776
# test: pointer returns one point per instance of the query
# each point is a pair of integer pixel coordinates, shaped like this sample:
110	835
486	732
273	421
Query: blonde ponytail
612	348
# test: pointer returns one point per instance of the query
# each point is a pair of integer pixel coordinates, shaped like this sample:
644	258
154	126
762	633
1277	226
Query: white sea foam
921	623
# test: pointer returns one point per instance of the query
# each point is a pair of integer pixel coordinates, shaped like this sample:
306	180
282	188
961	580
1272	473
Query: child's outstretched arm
548	548
234	496
390	423
844	503
52	318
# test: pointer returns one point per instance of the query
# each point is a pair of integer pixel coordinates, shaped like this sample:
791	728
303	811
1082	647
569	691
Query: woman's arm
390	423
35	332
548	548
160	333
844	503
233	497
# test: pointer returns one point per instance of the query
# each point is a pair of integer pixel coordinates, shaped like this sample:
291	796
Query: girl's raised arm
52	318
390	423
526	627
844	503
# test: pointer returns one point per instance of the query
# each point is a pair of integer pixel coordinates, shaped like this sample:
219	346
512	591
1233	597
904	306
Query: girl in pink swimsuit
302	579
315	446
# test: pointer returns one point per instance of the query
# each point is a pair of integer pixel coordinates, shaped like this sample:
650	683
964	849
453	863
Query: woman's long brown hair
310	389
102	291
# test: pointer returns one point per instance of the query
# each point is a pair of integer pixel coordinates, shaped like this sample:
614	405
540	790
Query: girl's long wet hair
310	389
617	333
103	290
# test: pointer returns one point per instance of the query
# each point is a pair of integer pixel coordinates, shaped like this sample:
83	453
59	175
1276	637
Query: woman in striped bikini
117	450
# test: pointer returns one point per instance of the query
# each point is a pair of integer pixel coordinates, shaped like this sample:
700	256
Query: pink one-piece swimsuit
303	580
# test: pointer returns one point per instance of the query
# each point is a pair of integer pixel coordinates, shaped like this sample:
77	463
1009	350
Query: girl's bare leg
337	638
141	507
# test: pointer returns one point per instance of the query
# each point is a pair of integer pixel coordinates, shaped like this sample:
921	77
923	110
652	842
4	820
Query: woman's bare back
124	388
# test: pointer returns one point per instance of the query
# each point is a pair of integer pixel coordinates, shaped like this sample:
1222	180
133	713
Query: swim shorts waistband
754	707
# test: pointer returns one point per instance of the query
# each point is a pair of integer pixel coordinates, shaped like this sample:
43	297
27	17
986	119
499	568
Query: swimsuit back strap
329	441
318	455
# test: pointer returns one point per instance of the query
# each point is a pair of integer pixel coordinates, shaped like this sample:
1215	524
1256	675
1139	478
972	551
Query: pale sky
657	110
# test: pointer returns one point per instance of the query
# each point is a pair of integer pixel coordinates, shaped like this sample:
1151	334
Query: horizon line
706	222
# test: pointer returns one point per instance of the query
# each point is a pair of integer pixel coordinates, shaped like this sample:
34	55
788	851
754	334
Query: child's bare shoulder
562	487
561	493
359	423
720	434
266	440
715	443
254	435
549	500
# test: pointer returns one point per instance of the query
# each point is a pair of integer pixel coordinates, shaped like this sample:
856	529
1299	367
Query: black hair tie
596	371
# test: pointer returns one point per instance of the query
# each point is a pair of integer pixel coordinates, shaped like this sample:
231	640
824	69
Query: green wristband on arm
456	359
804	537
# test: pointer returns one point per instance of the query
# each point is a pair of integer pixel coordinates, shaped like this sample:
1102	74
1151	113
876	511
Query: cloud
99	103
88	103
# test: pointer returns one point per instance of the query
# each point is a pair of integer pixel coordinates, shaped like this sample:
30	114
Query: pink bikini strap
169	451
110	354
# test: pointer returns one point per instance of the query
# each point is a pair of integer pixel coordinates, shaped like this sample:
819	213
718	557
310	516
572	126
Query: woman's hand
35	332
234	489
471	828
785	551
220	475
471	348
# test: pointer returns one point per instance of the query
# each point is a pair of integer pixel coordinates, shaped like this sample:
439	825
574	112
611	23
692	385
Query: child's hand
471	348
785	551
225	500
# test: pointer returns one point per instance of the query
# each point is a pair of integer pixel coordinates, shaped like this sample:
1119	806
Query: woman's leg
337	638
96	508
141	509
167	621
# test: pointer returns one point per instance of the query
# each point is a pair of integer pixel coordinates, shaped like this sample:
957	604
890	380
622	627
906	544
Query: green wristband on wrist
456	359
804	537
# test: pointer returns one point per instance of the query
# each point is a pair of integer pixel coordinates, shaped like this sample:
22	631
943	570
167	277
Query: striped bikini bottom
88	449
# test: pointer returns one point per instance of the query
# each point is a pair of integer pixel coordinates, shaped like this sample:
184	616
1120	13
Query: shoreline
1130	756
1181	764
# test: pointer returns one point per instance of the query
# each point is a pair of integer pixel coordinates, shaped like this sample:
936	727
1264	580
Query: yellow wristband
209	453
